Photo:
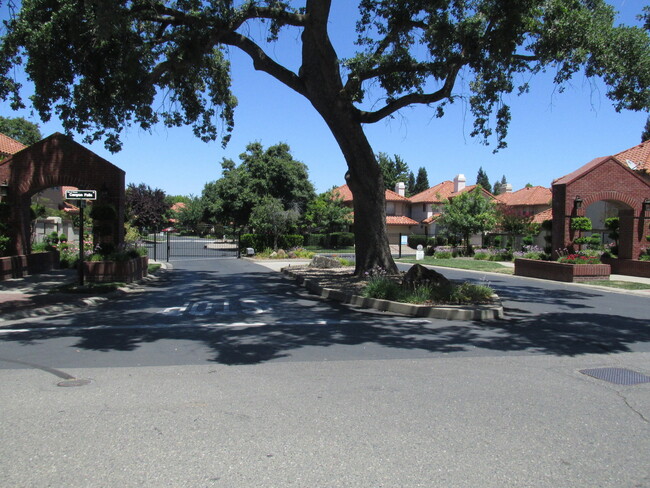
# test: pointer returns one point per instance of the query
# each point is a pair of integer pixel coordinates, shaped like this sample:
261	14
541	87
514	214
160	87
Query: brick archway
603	179
58	161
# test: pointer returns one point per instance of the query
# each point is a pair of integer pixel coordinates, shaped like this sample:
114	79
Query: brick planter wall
120	271
23	265
551	270
629	267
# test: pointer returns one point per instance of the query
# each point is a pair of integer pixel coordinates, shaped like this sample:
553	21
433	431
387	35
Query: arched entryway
604	184
58	161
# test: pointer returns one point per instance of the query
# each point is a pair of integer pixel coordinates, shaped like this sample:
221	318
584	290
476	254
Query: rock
292	255
419	275
281	254
324	262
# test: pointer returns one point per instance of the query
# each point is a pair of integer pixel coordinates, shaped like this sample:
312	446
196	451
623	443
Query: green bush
4	244
581	223
264	241
383	288
341	239
290	241
414	241
470	293
317	240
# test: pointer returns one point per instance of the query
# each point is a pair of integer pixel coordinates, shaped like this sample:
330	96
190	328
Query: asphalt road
222	374
237	312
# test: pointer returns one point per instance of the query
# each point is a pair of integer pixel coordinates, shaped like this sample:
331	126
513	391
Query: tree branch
262	62
412	99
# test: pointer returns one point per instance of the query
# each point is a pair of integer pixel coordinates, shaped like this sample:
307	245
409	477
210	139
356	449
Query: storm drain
618	376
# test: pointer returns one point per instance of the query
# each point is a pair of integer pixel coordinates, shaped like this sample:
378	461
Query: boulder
324	262
419	275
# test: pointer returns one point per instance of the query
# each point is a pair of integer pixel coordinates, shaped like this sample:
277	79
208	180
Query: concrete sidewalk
36	295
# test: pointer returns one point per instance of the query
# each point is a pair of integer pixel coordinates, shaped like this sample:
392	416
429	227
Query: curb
85	302
493	311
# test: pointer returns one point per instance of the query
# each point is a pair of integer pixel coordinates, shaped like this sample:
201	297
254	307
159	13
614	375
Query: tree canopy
469	213
99	67
20	129
146	207
262	173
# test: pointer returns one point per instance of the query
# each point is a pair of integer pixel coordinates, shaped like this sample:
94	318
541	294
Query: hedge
259	242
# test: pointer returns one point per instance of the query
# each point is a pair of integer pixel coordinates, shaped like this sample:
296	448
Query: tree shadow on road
138	320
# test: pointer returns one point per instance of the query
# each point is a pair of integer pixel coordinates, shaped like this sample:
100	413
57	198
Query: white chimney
400	189
459	183
508	188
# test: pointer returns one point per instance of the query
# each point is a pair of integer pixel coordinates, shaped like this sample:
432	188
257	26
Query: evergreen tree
410	185
483	180
393	170
500	187
421	182
645	135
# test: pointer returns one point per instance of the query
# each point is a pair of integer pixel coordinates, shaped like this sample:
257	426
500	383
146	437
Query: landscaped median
488	311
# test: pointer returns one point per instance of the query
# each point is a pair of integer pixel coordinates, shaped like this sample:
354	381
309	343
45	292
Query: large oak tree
99	65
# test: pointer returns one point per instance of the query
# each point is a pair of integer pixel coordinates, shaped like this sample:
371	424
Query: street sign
81	194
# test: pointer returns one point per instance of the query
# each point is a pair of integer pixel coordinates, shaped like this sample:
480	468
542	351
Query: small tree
146	207
269	217
327	214
467	214
190	216
513	223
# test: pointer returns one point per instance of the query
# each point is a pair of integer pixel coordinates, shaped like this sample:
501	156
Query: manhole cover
618	376
74	382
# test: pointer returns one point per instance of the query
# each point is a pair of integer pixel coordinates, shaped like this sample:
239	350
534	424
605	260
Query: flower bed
551	270
23	265
116	271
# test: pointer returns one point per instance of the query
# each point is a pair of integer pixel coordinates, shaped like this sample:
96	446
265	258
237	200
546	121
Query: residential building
398	207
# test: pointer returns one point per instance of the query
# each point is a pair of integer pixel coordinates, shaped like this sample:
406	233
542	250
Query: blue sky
550	135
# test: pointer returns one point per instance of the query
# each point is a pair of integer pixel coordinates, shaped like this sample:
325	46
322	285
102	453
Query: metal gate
168	245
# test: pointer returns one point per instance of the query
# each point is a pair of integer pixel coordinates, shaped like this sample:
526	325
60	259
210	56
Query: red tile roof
637	155
542	216
400	220
536	195
441	193
566	179
345	193
9	146
432	219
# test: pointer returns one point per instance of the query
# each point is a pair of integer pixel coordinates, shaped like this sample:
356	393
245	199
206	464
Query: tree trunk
364	179
322	86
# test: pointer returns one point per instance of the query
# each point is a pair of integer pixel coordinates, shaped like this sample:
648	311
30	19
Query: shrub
341	239
581	223
482	254
383	288
414	241
319	240
442	252
470	293
4	244
290	240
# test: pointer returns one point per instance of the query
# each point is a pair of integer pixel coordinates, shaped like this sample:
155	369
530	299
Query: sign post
81	196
